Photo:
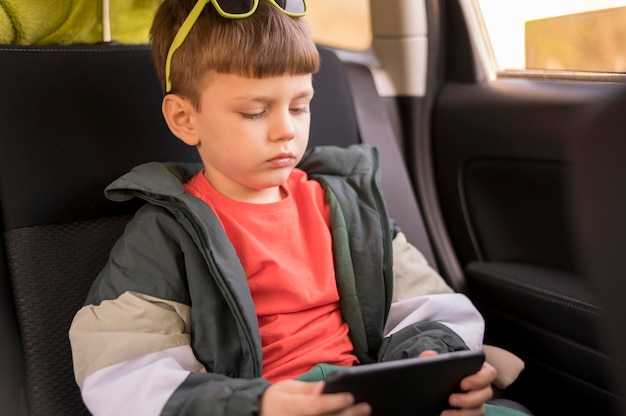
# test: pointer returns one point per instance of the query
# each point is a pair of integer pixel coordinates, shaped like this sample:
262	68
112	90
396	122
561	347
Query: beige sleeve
508	365
128	327
412	276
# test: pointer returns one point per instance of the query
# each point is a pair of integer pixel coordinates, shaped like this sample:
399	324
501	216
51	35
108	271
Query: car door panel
503	154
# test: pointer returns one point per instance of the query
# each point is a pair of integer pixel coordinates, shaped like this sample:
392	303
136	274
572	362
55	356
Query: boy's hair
268	43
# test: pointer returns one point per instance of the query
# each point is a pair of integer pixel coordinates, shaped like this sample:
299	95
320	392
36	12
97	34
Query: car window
341	24
556	35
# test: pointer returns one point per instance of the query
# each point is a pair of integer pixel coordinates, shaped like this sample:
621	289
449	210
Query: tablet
413	386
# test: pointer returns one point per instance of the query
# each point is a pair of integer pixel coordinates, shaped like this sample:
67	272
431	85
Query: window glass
340	23
558	35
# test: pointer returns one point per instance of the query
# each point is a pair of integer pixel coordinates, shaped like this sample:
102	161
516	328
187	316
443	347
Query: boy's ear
178	113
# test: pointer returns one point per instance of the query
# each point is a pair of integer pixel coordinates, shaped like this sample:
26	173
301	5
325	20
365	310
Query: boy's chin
279	176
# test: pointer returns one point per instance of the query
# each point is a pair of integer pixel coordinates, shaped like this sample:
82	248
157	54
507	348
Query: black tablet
413	386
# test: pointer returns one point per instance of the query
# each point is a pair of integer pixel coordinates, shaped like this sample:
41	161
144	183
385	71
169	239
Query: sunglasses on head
229	9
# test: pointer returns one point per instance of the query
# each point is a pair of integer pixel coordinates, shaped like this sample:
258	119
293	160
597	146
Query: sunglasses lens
236	6
292	6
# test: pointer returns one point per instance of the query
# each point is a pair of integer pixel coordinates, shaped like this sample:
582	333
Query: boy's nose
283	127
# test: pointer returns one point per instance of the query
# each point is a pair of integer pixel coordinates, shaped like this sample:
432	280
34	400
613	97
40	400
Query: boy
243	274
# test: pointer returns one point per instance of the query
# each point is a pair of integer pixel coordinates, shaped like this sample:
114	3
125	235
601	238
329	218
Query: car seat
74	118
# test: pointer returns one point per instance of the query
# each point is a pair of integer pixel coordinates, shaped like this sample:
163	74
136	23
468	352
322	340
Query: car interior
509	187
81	116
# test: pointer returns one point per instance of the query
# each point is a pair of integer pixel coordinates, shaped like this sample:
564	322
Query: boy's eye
300	110
252	116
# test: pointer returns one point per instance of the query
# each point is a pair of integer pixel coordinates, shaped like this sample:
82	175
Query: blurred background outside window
557	35
550	35
342	24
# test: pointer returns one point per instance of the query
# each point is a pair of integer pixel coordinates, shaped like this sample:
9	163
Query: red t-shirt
285	248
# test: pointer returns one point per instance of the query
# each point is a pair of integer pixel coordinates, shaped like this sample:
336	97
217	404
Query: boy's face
252	132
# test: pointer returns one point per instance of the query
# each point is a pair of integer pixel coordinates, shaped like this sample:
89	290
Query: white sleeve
139	386
454	310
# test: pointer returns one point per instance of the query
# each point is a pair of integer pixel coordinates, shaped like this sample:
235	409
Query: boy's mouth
282	160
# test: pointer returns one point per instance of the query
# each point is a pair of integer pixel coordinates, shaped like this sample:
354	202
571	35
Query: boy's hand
476	391
299	398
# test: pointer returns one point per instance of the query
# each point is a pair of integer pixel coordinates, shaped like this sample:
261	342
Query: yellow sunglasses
229	9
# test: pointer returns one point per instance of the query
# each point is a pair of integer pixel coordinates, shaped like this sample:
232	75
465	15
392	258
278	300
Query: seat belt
375	129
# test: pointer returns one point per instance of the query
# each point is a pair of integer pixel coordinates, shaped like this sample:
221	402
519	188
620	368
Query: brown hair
268	43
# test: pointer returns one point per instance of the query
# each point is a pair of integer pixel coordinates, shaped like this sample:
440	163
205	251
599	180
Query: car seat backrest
72	119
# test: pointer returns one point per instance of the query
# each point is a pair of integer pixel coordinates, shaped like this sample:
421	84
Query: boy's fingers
428	353
485	376
472	399
305	398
